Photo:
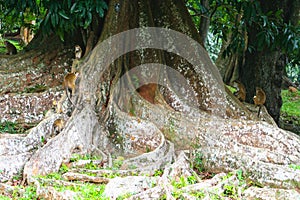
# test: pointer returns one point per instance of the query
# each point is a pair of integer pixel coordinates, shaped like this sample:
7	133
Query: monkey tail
69	98
259	110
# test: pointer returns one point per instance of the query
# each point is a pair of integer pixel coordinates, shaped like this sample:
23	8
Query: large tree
265	66
147	93
259	39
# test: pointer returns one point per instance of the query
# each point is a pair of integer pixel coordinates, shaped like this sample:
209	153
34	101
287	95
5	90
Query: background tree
264	67
252	33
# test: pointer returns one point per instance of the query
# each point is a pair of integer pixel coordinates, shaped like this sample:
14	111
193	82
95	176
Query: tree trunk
154	89
266	68
204	23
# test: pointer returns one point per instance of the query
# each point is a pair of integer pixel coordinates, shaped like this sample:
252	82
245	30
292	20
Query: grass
291	103
4	198
10	127
290	110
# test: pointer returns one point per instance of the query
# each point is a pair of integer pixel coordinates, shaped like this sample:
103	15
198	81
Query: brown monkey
241	90
69	84
58	125
259	99
293	89
78	52
11	49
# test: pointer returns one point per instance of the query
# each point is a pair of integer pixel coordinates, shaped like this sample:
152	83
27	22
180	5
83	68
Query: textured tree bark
112	116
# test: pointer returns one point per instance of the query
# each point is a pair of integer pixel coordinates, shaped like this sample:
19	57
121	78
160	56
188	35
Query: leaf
69	3
88	20
47	17
63	14
53	20
265	20
260	40
72	10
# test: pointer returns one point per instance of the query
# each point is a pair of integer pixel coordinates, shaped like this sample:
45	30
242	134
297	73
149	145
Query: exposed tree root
84	178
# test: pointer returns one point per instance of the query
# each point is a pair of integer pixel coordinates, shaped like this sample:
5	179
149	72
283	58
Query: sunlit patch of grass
291	103
295	167
86	191
4	198
29	193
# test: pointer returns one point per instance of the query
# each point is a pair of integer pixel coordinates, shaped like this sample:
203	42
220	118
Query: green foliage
195	9
4	198
92	166
233	20
293	72
66	16
54	175
295	167
230	191
239	174
124	196
63	169
177	194
10	127
14	14
29	194
199	194
158	172
56	16
117	163
86	191
182	182
231	188
191	180
76	157
232	89
15	43
198	162
43	140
